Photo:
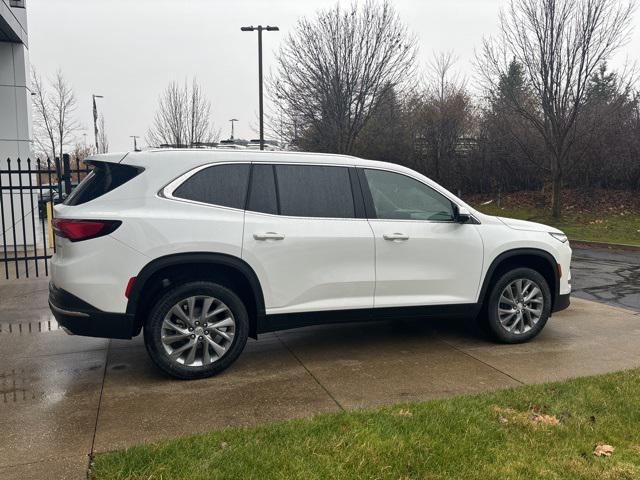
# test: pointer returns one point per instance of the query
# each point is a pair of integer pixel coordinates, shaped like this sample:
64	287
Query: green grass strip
488	436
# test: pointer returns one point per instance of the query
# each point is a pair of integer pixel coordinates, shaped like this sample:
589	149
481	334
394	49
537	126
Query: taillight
77	230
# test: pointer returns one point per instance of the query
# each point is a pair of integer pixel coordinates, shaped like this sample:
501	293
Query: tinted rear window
224	185
102	179
315	191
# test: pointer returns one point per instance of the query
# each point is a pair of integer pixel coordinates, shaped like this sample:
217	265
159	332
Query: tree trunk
556	189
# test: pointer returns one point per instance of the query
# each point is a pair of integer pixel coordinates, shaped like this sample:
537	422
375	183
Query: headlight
561	237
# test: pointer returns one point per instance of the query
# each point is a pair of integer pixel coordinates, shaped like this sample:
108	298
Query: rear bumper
80	318
562	302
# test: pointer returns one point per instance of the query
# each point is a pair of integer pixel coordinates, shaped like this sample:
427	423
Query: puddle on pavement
14	387
27	328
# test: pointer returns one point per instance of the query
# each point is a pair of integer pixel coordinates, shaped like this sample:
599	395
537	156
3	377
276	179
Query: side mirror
462	214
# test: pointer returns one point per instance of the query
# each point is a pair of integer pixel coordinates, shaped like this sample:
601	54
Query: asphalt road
607	276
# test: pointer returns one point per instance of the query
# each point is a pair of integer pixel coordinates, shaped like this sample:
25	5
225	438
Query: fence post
66	175
58	167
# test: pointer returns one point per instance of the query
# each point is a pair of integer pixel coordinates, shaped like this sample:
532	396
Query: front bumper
562	302
80	318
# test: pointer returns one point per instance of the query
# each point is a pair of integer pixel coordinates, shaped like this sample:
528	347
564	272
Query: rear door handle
268	236
395	236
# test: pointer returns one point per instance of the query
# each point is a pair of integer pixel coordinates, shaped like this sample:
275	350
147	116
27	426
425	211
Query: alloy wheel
198	331
520	306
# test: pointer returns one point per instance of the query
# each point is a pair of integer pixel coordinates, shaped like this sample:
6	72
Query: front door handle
395	236
268	236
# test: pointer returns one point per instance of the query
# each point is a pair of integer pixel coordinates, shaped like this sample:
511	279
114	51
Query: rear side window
262	192
224	185
315	191
102	179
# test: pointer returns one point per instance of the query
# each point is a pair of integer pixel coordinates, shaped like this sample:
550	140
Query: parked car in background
48	192
255	145
231	145
201	249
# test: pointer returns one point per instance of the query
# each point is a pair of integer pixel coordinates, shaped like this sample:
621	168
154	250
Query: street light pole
95	119
135	143
260	28
233	120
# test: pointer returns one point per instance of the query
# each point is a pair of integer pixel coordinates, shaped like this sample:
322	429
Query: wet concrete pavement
607	276
63	398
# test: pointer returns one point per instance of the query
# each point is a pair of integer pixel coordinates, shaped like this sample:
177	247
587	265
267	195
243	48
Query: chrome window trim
167	191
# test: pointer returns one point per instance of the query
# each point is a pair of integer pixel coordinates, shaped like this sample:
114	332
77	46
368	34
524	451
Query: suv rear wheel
518	306
196	330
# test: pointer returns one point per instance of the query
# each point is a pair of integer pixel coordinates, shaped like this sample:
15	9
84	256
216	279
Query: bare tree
64	105
333	69
560	44
54	106
442	111
183	117
43	122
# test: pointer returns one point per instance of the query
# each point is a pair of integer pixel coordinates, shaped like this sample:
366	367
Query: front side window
398	197
315	191
224	185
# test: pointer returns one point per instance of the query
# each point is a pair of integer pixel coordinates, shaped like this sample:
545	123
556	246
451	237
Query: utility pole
135	142
260	28
95	119
233	120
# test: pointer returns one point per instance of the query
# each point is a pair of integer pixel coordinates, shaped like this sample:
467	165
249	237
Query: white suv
204	248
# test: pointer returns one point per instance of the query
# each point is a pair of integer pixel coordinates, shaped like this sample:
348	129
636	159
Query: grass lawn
595	226
509	434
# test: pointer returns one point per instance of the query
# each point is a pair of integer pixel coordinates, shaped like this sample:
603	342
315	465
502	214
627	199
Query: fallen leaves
603	450
606	202
403	413
533	417
545	419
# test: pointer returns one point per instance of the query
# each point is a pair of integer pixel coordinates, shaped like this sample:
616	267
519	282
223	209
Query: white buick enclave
203	248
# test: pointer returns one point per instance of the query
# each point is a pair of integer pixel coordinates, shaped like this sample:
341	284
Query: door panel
306	237
310	263
428	263
423	257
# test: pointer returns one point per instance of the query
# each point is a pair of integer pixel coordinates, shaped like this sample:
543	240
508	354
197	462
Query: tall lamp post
95	119
233	120
260	28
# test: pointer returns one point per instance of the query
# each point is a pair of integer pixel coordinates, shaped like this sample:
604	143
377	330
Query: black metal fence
28	191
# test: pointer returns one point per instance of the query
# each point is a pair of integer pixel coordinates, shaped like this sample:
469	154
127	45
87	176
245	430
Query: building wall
15	101
15	115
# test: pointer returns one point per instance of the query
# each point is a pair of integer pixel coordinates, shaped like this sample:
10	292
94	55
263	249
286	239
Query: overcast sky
129	50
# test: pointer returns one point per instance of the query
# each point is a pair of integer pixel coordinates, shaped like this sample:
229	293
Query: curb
604	245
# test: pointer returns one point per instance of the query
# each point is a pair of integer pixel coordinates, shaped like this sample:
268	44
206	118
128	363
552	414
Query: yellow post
50	227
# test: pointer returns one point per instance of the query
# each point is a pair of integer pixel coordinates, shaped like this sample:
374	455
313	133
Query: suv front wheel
196	330
518	306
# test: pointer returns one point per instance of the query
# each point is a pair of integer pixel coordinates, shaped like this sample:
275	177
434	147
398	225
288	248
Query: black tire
154	324
490	315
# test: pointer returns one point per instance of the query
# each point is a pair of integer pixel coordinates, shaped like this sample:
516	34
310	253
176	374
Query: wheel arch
537	259
160	274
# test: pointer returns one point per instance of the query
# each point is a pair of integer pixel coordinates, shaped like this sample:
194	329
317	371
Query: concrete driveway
63	398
